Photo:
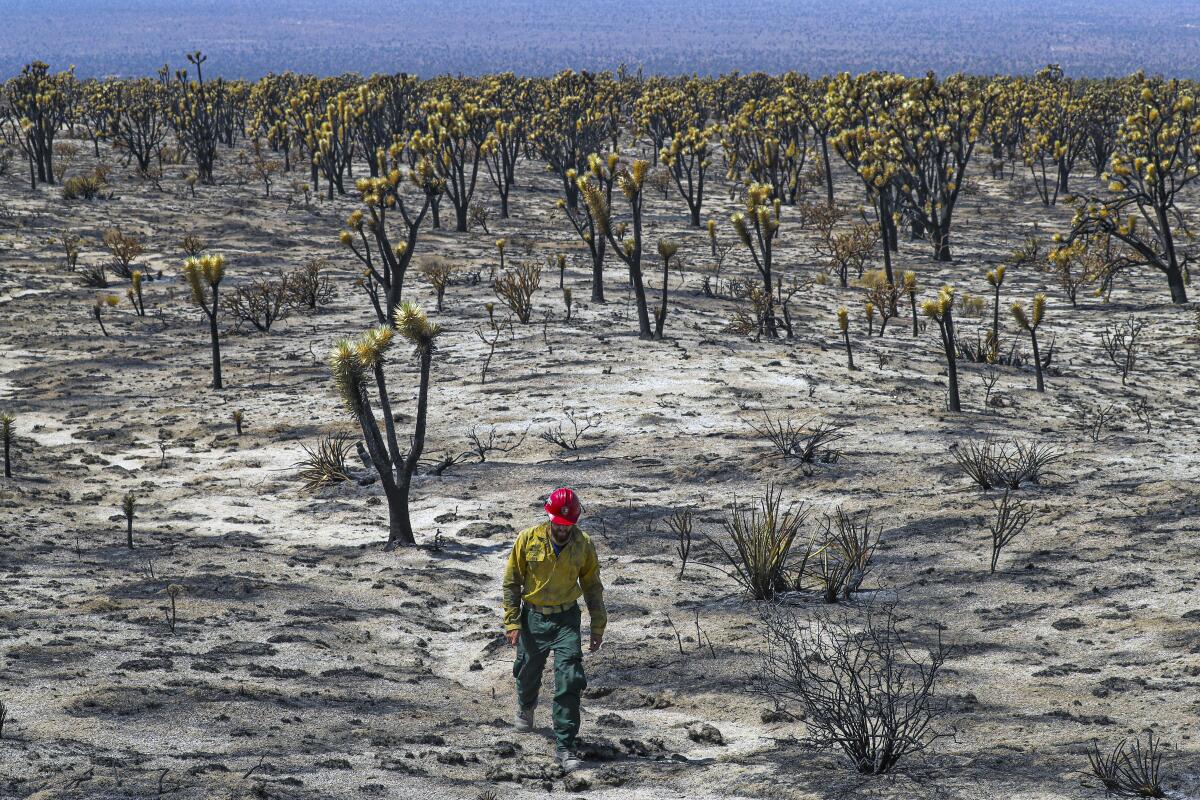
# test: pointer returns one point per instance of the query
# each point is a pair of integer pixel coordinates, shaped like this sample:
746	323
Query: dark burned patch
273	672
206	586
1063	670
56	653
243	649
147	664
352	673
298	638
120	702
1005	614
324	612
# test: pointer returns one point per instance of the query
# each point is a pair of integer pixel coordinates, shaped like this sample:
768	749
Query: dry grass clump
803	442
760	543
325	464
1005	465
1132	771
87	187
844	558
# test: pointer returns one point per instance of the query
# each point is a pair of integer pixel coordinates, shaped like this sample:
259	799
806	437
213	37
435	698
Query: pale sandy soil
307	663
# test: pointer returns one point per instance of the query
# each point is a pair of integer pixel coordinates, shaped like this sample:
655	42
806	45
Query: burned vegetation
879	392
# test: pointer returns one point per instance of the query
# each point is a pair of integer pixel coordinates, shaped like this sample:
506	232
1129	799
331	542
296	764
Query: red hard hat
563	507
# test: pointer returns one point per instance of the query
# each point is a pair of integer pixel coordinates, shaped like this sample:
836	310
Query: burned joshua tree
356	364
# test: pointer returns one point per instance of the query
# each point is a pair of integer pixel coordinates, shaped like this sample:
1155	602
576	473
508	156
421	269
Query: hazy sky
246	38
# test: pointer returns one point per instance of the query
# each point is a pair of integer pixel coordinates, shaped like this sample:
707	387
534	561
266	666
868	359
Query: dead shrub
64	156
123	248
516	287
1010	521
680	523
478	214
493	442
749	318
862	688
70	245
569	439
881	295
309	286
438	270
192	245
1121	345
260	303
845	252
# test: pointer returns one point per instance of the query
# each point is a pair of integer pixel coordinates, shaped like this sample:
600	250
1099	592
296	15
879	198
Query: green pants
541	634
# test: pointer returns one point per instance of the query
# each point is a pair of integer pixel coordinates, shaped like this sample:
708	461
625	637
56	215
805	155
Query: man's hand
597	640
512	637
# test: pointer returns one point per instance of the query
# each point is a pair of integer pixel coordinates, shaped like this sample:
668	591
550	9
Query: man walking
551	566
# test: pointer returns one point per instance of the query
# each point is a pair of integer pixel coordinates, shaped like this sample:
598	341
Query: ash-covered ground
306	662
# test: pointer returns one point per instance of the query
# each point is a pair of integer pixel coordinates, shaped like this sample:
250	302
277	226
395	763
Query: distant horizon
250	38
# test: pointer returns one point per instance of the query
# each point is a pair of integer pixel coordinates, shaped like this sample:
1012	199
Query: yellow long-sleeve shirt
541	578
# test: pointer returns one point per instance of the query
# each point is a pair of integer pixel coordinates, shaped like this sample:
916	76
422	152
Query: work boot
524	719
569	760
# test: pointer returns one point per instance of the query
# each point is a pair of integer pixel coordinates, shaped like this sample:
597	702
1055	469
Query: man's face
560	532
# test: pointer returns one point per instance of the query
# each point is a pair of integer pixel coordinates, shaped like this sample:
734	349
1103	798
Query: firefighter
550	567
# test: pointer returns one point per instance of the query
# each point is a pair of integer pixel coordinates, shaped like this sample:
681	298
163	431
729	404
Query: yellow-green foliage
202	271
351	359
939	307
1030	322
970	305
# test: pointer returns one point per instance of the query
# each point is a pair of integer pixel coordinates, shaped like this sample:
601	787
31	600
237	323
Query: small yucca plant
135	293
128	504
204	275
173	591
995	279
843	317
941	311
666	251
99	304
500	245
1030	323
560	263
908	283
8	434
